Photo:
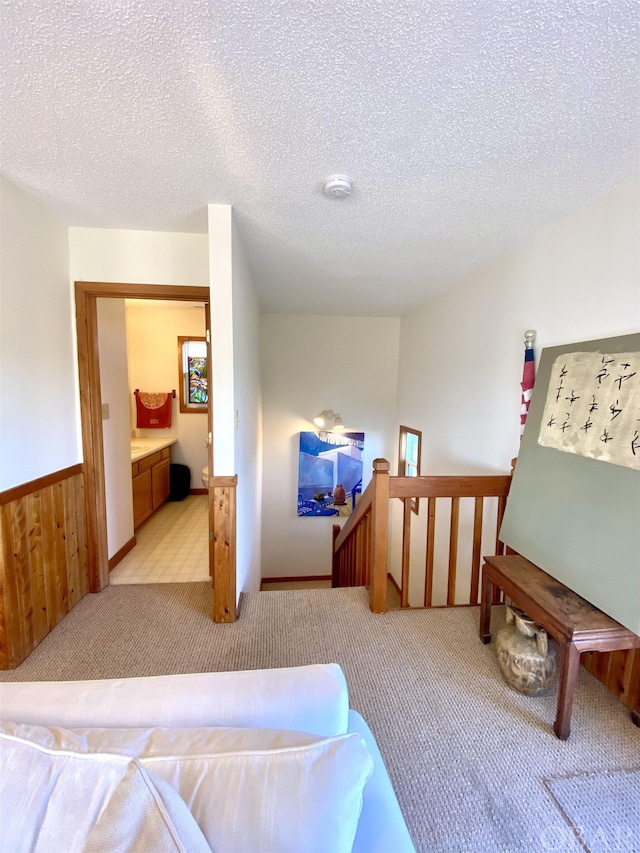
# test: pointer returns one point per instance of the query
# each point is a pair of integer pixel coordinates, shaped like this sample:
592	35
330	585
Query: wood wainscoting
620	673
43	559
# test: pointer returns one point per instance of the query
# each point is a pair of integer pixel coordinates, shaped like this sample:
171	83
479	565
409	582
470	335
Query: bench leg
568	663
485	607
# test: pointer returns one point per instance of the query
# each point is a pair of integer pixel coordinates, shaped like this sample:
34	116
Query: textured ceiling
465	124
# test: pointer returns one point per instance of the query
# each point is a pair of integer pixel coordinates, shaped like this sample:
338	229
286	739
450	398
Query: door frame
86	294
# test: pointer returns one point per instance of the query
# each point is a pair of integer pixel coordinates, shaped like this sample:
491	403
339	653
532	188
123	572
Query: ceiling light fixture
338	186
324	418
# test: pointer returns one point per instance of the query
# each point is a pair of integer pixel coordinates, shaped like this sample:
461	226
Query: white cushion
55	800
304	698
248	789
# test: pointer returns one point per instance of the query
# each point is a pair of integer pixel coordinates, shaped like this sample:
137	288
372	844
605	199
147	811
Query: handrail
363	505
449	486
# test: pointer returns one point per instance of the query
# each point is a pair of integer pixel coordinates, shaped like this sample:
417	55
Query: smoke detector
338	186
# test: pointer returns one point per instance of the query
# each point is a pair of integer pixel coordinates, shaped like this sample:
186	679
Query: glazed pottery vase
338	495
526	658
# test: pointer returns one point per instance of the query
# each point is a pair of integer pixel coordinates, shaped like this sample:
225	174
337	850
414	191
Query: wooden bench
576	625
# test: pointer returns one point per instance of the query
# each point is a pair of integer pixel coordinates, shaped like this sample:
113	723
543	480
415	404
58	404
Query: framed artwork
329	472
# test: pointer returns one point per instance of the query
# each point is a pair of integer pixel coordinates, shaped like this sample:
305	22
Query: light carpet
467	755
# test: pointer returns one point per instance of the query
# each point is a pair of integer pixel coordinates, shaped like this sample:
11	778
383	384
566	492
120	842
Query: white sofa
251	762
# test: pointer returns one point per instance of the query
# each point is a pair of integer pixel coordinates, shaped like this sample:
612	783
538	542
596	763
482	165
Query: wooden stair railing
453	489
360	549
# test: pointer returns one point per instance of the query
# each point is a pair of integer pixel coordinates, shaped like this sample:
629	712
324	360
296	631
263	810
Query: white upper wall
221	305
247	403
311	363
461	354
140	257
38	433
237	410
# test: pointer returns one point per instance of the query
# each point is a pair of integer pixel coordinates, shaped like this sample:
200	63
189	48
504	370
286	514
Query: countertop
141	447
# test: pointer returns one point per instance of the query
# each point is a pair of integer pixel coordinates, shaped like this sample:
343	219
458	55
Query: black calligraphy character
624	366
587	425
559	389
614	411
551	422
606	437
622	379
593	406
635	443
563	372
604	373
607	360
572	398
566	424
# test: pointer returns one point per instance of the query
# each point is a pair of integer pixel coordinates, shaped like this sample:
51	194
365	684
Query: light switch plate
105	411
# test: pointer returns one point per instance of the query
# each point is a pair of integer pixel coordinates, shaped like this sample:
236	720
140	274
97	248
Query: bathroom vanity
150	460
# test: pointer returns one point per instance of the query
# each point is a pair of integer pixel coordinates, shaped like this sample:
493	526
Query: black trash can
179	482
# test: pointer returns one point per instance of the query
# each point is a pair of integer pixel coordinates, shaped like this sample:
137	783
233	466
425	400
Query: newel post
222	546
379	537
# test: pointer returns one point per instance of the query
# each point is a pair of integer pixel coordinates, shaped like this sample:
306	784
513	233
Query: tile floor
172	546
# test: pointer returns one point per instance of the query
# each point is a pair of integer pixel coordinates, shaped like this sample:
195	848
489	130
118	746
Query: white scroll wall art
593	407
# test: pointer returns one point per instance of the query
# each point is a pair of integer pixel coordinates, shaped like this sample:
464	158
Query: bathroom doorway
87	294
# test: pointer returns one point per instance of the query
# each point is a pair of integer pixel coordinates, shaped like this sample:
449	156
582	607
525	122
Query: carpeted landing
475	765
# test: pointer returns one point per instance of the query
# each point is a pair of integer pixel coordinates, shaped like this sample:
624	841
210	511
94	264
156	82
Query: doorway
87	294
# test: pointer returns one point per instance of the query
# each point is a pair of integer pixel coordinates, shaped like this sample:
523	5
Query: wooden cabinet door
160	483
142	506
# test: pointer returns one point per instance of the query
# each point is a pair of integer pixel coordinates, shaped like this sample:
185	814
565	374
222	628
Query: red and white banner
528	378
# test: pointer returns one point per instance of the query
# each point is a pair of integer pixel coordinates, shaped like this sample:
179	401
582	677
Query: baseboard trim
391	578
122	553
198	491
297	578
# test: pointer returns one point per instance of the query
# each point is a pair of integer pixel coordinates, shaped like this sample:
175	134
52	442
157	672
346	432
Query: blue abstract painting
329	472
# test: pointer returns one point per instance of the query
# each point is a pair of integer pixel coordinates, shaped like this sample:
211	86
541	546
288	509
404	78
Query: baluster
335	562
428	569
502	503
406	553
477	544
453	550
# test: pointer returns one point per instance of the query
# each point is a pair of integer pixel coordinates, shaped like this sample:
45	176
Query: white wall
461	354
311	363
152	343
116	430
248	419
38	432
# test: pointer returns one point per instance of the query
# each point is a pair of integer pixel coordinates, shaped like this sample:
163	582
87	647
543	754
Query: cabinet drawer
150	461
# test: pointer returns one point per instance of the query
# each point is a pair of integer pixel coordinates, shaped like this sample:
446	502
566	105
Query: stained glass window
194	388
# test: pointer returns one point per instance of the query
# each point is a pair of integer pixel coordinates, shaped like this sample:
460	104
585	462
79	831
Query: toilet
205	477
